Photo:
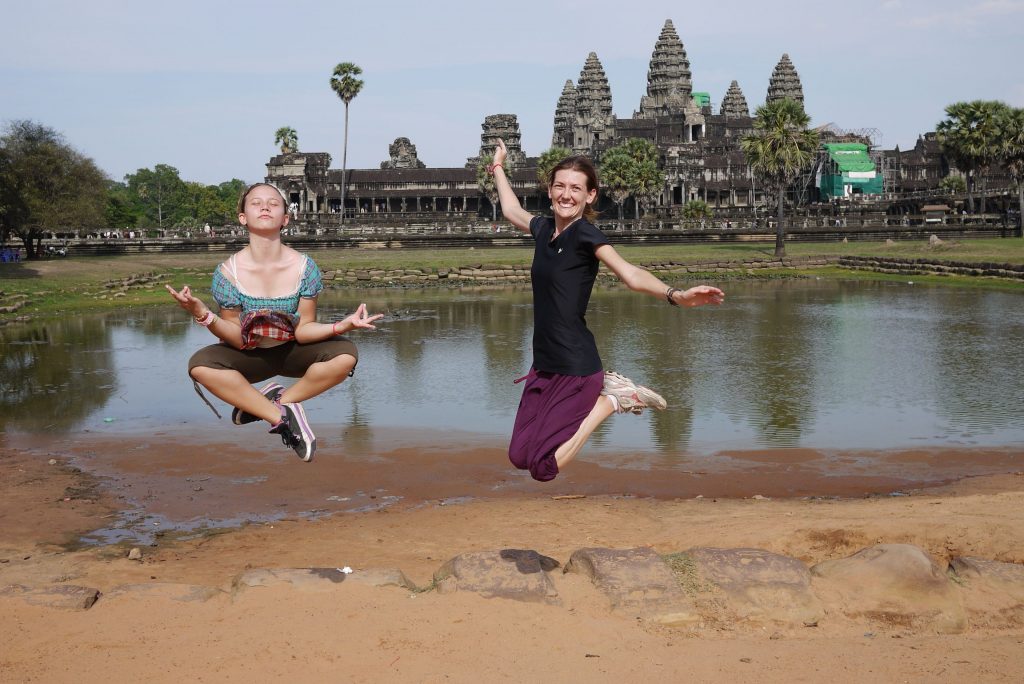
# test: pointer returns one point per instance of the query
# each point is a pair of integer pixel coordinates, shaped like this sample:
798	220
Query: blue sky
203	85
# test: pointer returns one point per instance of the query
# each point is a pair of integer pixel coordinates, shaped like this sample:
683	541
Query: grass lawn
57	286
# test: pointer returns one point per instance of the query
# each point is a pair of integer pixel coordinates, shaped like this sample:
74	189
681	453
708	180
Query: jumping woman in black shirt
567	393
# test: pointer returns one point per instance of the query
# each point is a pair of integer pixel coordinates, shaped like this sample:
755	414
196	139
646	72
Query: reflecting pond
810	363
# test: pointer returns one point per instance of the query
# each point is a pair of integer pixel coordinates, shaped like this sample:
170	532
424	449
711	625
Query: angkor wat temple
699	150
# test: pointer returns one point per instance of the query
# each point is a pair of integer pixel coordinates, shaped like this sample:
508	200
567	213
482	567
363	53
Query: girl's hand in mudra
187	301
360	319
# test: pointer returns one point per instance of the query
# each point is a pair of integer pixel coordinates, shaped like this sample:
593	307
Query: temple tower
669	81
594	119
506	127
734	105
565	116
403	156
785	82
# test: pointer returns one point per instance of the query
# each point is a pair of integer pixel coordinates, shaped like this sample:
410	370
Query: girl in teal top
267	326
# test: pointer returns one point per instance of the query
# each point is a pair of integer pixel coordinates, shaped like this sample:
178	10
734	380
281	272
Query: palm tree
617	175
646	179
287	138
969	136
696	211
547	161
485	182
780	146
346	86
1012	152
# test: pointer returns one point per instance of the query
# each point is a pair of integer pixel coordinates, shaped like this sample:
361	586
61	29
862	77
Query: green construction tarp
702	99
850	156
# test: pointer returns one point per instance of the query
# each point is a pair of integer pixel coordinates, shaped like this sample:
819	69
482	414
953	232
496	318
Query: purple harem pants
551	410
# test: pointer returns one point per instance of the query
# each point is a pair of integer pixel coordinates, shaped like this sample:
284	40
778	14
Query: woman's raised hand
188	302
361	319
500	152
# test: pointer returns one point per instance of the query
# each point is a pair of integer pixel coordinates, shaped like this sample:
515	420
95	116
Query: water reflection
798	363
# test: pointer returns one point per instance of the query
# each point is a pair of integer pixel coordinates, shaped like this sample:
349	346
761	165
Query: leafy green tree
121	211
646	180
616	175
695	211
953	184
779	147
1012	151
46	185
287	138
346	86
159	193
485	181
547	161
969	136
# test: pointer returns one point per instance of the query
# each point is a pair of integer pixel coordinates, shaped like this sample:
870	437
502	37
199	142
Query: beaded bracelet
669	293
207	319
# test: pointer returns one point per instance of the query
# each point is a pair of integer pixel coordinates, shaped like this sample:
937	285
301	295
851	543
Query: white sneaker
631	396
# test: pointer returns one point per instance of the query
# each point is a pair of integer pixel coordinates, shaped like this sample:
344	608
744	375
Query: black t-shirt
563	275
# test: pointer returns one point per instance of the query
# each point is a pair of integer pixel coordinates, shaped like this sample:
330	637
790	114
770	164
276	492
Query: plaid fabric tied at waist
266	324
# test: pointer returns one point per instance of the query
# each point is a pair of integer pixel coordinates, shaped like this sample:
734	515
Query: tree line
47	187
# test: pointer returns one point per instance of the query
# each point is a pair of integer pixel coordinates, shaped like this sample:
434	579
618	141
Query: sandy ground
365	634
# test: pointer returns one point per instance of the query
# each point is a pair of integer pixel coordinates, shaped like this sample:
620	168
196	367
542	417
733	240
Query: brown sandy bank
361	633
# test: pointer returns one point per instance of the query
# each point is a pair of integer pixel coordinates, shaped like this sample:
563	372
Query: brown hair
586	167
245	193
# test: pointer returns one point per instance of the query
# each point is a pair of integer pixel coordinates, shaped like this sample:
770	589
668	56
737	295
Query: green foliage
287	138
778	149
159	198
695	210
547	161
1011	126
46	185
630	169
485	181
953	184
970	138
344	82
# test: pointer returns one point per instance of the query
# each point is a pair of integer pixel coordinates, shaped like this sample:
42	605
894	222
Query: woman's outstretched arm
641	280
510	206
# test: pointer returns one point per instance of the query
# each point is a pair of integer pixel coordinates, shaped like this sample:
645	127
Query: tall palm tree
485	182
646	179
346	86
778	149
287	138
969	136
617	169
1012	153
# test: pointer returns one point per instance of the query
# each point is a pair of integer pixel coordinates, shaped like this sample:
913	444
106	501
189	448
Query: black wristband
669	293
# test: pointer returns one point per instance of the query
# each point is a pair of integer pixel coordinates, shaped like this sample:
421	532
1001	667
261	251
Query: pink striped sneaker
271	391
295	431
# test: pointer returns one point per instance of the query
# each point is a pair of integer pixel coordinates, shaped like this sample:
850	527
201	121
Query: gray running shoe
271	391
631	396
295	431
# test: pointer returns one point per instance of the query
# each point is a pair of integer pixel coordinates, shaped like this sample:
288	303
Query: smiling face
570	194
263	208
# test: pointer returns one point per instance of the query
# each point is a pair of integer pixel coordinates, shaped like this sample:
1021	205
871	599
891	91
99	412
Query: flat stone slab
66	596
759	585
518	574
1009	574
897	585
319	579
638	582
171	591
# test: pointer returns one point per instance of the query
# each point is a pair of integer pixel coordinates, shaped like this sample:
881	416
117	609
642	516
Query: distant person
567	393
267	326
